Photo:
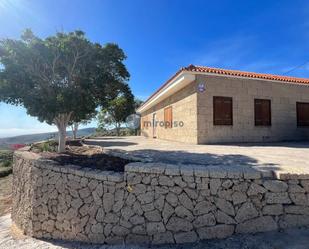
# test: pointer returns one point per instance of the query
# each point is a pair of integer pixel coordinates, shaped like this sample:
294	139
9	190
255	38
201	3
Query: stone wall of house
153	203
184	110
283	97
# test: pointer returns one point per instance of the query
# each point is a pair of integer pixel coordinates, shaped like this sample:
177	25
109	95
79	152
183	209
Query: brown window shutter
262	112
223	110
168	117
302	114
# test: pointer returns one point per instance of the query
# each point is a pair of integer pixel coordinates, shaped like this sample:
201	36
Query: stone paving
286	157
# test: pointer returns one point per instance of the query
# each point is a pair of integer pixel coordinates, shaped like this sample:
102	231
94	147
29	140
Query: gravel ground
289	239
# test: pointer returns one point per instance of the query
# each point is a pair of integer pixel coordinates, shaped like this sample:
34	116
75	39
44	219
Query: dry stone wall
152	203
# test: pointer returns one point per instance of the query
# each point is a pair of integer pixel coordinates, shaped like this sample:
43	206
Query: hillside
31	138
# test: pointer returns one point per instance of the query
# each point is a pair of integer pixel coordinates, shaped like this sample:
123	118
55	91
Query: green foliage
6	158
117	110
55	75
61	78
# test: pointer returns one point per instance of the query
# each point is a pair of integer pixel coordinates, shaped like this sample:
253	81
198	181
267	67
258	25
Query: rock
293	188
172	199
130	199
137	239
240	186
97	228
203	207
146	198
137	208
225	206
255	189
239	197
127	213
100	215
275	209
115	240
299	199
185	201
140	229
215	232
77	203
214	185
245	212
305	184
260	224
168	210
293	209
191	193
186	237
139	189
166	181
108	202
204	220
277	198
275	186
182	212
134	179
227	184
120	231
136	220
159	203
176	224
224	218
84	193
178	181
111	218
154	215
147	207
163	238
291	220
154	228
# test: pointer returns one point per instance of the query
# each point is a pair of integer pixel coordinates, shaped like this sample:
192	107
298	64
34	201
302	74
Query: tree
117	110
60	77
76	121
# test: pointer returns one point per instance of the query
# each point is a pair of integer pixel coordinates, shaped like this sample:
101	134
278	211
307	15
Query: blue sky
161	36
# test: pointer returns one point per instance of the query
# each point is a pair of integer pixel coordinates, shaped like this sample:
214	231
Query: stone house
202	105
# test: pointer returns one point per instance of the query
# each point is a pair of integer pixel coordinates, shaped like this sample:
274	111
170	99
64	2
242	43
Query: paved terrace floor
289	157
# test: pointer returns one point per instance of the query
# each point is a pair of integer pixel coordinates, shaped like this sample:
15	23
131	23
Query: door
154	126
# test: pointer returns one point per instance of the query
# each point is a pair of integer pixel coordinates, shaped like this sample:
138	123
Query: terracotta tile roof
228	72
201	69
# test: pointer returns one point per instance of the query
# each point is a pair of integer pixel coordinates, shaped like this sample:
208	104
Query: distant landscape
6	143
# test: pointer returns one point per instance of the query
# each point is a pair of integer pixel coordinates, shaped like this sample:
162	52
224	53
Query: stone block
275	209
275	186
260	224
176	224
154	228
277	198
245	212
186	237
293	220
216	232
204	220
163	238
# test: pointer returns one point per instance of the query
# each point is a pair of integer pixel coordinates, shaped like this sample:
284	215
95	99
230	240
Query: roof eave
180	81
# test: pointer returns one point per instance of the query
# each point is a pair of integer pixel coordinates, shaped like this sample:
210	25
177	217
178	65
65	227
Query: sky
161	36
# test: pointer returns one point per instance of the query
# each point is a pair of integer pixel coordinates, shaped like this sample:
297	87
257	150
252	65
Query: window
168	117
302	114
223	110
262	112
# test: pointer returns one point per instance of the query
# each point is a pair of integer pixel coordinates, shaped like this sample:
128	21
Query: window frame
215	112
166	109
299	124
269	112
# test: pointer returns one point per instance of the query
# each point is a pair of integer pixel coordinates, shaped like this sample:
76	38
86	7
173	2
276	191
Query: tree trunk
75	129
61	122
118	129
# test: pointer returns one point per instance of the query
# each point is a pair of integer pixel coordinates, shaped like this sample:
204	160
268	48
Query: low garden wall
152	203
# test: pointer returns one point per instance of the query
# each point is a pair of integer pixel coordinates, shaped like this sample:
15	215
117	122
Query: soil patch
90	157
